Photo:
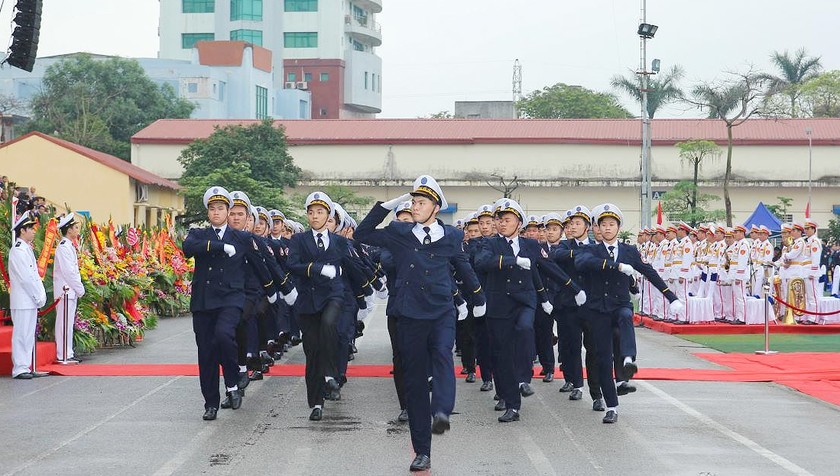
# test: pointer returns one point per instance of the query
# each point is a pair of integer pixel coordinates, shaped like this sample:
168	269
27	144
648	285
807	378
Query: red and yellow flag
47	250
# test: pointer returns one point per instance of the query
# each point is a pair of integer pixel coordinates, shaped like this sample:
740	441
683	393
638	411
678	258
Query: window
325	77
307	77
303	109
198	6
358	46
373	82
262	102
222	85
291	77
366	79
248	36
188	40
323	111
192	88
246	10
300	40
301	5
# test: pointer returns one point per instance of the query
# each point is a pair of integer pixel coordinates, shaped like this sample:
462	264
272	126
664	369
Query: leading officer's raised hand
524	263
230	250
392	204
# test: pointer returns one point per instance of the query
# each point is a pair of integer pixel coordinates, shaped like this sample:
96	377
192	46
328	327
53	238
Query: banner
47	250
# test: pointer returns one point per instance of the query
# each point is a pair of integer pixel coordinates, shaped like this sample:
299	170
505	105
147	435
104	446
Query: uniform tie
218	233
428	238
612	253
320	241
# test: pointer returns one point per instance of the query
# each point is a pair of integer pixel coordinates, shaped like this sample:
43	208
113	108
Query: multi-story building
326	47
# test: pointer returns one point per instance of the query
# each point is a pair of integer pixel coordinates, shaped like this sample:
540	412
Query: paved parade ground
152	425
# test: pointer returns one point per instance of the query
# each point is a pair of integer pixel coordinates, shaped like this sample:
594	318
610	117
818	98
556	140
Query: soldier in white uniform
797	260
66	277
26	295
813	273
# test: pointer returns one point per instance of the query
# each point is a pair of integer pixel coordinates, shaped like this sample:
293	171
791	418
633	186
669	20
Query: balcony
363	29
374	6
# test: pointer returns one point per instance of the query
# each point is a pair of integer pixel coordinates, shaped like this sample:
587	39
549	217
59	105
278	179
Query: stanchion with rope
67	321
766	291
805	311
35	372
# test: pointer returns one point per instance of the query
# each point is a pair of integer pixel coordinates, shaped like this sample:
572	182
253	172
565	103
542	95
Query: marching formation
731	266
491	289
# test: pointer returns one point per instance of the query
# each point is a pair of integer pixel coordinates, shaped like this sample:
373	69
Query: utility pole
646	194
517	87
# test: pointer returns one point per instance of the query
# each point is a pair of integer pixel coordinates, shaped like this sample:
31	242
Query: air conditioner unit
290	85
302	85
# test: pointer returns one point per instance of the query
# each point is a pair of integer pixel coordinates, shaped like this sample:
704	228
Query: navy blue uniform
608	304
217	301
426	313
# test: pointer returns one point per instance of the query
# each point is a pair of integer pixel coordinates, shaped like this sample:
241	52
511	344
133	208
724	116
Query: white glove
362	314
524	263
230	250
478	311
328	271
547	307
625	268
41	301
462	311
291	297
273	298
580	298
382	293
369	300
392	204
677	307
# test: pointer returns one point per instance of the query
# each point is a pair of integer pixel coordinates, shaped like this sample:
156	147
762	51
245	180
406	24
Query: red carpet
45	351
718	328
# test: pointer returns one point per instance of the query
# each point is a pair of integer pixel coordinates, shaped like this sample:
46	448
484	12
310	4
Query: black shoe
353	349
277	356
403	416
351	357
500	406
266	359
255	375
265	368
332	384
630	369
548	377
598	405
440	424
486	386
624	389
36	374
576	394
496	397
272	348
316	414
209	414
543	372
464	371
525	390
420	463
567	387
470	378
235	399
610	417
509	416
225	403
295	340
243	380
24	376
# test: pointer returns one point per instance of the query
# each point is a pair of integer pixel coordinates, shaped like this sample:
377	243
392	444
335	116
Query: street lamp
645	32
808	131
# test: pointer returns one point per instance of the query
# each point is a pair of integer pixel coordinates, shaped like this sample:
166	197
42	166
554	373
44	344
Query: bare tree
734	102
10	104
506	187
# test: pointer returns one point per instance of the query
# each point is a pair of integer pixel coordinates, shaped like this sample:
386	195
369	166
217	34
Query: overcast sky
436	52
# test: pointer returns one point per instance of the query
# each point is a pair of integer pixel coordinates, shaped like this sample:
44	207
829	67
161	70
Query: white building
323	46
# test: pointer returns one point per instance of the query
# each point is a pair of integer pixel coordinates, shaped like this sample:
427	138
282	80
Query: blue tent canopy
763	216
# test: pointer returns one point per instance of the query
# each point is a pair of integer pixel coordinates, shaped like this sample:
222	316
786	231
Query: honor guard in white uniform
796	258
812	273
26	295
763	261
67	287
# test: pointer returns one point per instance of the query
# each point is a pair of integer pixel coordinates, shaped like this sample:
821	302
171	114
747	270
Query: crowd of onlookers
28	199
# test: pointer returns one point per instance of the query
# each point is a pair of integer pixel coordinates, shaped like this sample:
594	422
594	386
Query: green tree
832	233
793	71
440	115
696	153
781	209
733	102
820	96
662	89
685	203
253	159
102	103
562	101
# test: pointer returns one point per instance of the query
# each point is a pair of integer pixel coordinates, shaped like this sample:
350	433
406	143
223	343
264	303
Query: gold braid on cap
424	190
218	198
510	210
238	201
609	214
319	202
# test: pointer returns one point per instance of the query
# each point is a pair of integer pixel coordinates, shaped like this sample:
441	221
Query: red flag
808	210
659	213
132	237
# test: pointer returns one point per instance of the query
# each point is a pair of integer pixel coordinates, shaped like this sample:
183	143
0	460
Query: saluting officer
423	254
66	279
26	295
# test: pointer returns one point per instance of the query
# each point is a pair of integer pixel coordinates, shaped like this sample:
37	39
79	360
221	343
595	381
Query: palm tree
661	89
794	71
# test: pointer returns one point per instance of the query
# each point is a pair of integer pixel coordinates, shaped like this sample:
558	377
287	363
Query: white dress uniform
66	273
26	295
813	273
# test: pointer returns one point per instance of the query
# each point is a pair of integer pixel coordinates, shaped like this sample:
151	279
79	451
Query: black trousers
399	378
215	336
484	356
320	339
465	338
544	334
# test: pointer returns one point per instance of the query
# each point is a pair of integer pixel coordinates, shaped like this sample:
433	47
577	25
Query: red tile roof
514	131
116	163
